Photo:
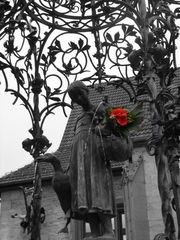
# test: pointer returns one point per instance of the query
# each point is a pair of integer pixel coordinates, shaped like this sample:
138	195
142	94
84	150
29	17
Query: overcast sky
14	126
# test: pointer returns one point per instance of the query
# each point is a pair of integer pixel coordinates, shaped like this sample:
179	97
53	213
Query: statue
86	192
90	171
88	187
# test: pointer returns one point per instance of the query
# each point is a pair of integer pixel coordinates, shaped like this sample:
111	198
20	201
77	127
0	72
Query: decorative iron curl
73	15
160	236
23	64
152	145
68	58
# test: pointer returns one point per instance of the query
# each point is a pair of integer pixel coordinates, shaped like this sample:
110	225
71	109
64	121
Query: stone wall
135	201
142	206
13	202
152	195
142	200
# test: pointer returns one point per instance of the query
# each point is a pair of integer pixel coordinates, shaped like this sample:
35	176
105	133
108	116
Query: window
118	224
87	230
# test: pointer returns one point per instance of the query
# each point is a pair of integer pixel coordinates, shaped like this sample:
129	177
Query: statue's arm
102	128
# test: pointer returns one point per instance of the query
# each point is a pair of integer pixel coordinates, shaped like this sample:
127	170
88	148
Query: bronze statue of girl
90	175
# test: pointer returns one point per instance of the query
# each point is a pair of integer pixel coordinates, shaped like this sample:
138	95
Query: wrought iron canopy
95	41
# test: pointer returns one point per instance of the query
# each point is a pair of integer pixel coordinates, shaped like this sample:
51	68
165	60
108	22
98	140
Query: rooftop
117	97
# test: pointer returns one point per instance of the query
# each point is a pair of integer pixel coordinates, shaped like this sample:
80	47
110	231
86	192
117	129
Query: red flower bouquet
114	132
121	116
121	120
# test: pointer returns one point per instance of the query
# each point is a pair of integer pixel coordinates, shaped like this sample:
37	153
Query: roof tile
117	97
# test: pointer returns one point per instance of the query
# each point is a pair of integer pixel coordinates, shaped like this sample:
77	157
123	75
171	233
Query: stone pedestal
99	238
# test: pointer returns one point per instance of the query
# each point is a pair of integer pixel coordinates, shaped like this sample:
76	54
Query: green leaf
134	119
44	58
109	37
81	42
130	28
124	28
106	44
53	48
116	37
128	49
56	99
69	65
133	33
138	41
57	43
55	92
73	46
52	58
2	56
3	65
86	47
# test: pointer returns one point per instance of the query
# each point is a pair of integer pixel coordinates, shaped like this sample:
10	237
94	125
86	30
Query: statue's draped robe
90	175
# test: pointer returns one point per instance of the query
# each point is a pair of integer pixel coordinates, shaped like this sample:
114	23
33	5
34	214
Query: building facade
135	186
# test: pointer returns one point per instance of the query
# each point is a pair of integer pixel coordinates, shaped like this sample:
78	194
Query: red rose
121	116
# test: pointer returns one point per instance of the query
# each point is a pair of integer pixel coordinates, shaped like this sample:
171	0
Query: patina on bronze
90	175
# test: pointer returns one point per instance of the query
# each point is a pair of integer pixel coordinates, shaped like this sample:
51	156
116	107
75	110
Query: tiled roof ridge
17	170
118	97
25	174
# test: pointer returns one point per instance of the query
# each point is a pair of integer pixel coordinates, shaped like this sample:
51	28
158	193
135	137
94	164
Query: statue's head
78	93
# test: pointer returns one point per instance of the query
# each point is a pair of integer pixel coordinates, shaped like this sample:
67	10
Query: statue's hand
102	130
